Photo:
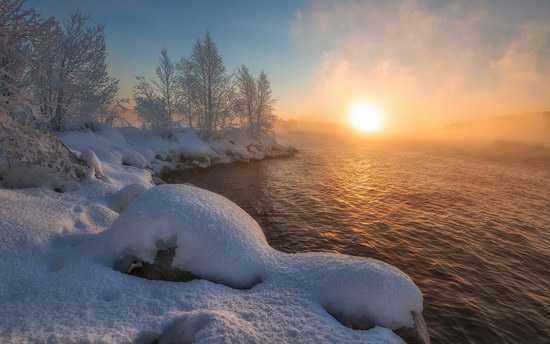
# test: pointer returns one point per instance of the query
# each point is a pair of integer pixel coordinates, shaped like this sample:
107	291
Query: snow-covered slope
61	256
141	148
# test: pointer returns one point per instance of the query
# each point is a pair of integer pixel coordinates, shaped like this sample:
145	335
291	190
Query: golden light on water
366	117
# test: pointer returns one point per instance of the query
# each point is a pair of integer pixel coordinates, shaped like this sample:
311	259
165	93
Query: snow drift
215	239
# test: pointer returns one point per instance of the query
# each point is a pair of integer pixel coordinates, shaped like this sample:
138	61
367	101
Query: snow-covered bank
63	257
142	148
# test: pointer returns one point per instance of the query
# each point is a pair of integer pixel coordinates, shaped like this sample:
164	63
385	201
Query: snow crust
60	256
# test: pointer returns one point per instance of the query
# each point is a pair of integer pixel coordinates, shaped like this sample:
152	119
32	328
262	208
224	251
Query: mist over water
470	226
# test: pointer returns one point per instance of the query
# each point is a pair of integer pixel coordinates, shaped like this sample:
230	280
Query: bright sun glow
366	117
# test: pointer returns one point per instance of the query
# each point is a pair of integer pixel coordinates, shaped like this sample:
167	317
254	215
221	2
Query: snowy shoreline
144	149
64	257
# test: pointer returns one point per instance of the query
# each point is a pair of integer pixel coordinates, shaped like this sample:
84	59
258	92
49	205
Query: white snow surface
215	239
120	200
142	148
95	170
60	280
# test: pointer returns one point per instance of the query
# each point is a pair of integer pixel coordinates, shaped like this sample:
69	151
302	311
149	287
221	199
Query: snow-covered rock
135	159
215	239
112	151
92	161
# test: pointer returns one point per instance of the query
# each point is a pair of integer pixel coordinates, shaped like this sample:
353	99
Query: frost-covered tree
149	107
264	104
22	34
188	97
73	78
203	95
246	96
165	81
156	99
212	86
255	100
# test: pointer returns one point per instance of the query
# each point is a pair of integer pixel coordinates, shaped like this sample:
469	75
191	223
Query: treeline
54	77
54	72
57	73
198	92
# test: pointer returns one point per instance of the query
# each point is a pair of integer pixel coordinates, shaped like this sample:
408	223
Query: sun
366	117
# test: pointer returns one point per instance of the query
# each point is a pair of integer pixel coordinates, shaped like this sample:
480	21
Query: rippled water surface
470	226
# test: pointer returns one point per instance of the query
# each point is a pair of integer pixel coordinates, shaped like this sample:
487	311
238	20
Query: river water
470	226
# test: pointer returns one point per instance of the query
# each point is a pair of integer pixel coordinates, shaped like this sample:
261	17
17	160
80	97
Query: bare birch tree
213	86
188	97
246	96
264	105
156	100
204	94
255	100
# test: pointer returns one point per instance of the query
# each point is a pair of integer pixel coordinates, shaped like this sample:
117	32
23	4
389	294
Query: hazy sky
422	62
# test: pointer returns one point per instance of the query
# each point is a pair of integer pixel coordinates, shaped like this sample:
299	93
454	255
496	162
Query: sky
422	62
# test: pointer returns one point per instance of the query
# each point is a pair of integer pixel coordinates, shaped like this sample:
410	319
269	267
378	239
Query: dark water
470	226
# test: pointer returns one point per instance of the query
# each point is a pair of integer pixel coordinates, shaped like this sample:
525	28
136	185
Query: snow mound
360	293
191	145
113	153
108	144
216	240
119	201
95	168
133	158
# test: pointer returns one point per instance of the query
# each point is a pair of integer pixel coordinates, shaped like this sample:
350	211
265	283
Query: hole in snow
161	269
353	321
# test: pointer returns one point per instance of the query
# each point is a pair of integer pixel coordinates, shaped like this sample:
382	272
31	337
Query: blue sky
421	62
255	33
